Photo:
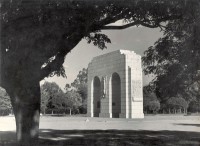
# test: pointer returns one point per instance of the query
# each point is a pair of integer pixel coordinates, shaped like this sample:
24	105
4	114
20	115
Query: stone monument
115	85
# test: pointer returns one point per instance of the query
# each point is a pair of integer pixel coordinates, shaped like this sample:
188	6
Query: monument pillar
90	95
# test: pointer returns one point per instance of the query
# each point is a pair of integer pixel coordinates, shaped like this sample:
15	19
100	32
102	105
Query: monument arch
115	85
116	95
96	96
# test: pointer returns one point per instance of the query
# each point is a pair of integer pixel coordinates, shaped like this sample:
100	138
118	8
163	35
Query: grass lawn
152	130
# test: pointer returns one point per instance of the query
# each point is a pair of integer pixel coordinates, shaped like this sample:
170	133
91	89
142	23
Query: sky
136	39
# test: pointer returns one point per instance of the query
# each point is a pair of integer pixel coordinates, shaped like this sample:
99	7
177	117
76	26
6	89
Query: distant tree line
73	99
171	105
54	100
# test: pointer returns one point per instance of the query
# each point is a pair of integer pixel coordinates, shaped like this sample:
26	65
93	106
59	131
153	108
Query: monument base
137	116
105	115
90	115
123	115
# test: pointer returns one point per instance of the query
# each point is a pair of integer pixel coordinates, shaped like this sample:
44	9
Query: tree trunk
70	111
26	107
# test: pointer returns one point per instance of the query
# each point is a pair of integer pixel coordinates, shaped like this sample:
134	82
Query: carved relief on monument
136	89
103	87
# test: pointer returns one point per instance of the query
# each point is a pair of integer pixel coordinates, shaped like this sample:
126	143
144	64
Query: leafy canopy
38	34
175	58
80	83
52	96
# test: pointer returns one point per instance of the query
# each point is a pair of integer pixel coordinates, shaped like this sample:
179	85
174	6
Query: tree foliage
80	85
36	36
52	97
53	28
154	106
150	101
177	103
194	106
73	100
175	58
5	105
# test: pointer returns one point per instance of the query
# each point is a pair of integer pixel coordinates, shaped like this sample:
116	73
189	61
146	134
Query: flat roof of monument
121	51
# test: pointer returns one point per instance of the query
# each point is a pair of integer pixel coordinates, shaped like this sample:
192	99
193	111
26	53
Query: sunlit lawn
152	130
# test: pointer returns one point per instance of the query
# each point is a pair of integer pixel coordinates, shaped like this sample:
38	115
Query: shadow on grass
49	137
197	125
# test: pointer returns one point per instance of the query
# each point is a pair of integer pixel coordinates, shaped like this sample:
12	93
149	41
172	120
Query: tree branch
56	64
120	27
130	25
109	19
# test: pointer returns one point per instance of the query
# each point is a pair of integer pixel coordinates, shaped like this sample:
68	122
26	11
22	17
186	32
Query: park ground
155	130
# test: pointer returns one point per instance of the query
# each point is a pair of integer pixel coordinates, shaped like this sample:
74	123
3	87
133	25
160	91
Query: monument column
90	111
90	99
137	90
124	89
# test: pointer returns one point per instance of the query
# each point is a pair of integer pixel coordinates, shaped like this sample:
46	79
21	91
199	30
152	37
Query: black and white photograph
99	72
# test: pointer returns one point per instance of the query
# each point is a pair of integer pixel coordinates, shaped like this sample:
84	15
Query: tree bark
26	107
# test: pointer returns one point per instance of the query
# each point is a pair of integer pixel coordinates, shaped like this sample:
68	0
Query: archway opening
96	96
116	95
